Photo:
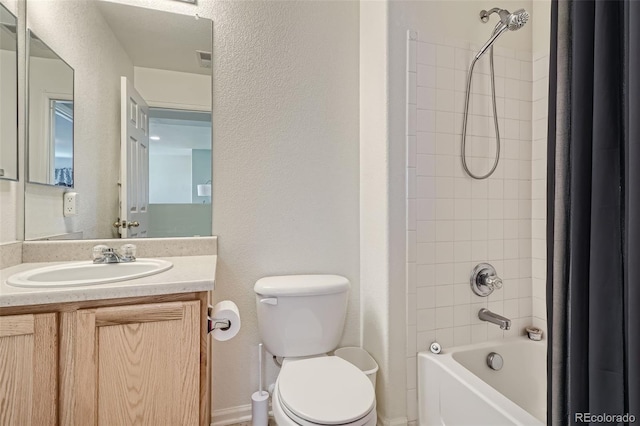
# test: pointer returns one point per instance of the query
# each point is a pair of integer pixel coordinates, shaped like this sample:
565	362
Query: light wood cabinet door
28	369
131	365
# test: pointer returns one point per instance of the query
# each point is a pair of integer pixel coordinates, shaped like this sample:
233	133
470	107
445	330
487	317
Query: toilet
301	319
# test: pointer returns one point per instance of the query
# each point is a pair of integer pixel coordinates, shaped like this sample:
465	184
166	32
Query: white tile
444	336
511	308
526	91
425	275
511	88
444	122
444	252
512	68
444	273
510	227
426	76
426	320
495	189
444	296
499	66
511	249
445	56
462	230
426	98
478	333
426	253
426	142
426	231
512	108
461	294
462	335
444	230
461	315
480	209
496	210
525	306
425	120
424	339
462	251
461	272
445	100
425	209
494	249
525	110
526	71
444	317
494	332
479	251
524	287
425	164
445	144
444	168
425	187
426	53
444	209
462	209
425	298
479	230
462	59
445	78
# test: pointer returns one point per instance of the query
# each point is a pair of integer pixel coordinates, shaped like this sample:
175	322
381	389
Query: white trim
233	415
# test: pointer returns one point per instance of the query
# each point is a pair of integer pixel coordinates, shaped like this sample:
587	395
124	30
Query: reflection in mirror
50	116
8	95
142	122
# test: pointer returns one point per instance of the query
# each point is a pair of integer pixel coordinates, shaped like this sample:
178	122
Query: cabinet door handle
269	300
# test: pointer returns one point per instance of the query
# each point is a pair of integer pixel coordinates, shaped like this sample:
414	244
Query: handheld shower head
514	21
508	21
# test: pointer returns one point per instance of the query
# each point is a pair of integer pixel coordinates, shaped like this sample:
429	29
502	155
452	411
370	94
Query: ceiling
157	39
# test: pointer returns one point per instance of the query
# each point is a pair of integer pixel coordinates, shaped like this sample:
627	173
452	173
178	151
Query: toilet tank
301	315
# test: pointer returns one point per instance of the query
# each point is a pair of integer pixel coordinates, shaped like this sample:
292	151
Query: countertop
188	274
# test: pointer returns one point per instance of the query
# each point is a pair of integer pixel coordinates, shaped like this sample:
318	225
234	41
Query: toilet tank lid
301	285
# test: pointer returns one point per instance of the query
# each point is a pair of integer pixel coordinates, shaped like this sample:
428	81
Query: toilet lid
325	390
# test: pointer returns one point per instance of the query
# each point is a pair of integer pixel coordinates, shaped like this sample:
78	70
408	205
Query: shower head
508	21
514	21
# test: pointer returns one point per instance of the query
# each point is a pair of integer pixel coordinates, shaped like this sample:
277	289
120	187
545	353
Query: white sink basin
87	273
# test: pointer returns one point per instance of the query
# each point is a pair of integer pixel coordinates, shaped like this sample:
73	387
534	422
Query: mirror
50	135
142	122
8	95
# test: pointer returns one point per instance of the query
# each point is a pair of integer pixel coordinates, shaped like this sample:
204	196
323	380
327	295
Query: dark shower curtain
593	210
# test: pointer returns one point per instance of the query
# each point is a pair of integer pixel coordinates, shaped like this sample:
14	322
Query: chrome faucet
105	255
487	315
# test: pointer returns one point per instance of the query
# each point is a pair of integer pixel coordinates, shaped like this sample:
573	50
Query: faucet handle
128	252
98	251
493	281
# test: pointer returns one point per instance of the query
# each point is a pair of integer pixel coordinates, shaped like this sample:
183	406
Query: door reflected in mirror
50	118
8	95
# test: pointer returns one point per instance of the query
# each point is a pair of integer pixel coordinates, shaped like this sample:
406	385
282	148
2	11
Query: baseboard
233	415
398	421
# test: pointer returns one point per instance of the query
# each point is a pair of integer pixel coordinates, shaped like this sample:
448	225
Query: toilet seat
325	391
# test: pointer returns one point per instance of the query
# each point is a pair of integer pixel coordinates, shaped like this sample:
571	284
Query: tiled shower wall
453	221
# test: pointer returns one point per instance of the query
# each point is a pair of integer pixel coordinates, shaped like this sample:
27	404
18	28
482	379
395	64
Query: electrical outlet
69	204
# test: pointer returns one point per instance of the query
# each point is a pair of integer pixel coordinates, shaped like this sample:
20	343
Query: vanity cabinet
136	361
28	369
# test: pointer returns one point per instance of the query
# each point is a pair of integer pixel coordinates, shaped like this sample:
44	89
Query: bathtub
456	387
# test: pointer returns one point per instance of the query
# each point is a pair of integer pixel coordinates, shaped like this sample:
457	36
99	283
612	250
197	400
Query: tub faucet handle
493	281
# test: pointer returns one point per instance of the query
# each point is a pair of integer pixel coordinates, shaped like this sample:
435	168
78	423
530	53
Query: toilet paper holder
216	323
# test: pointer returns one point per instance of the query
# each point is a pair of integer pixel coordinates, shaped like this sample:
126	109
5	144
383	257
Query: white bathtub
457	388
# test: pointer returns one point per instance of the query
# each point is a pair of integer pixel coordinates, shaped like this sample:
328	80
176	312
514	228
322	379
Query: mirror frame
17	103
27	120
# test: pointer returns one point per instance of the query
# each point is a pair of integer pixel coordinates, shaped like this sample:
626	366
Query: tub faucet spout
487	315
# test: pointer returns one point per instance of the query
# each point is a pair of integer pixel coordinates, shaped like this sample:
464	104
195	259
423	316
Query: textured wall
94	53
285	171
